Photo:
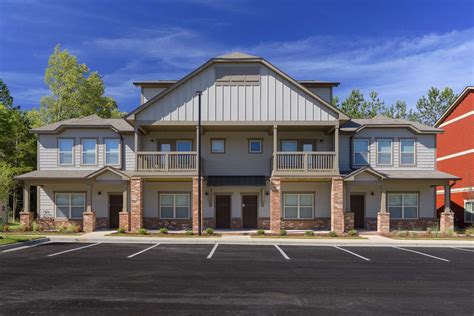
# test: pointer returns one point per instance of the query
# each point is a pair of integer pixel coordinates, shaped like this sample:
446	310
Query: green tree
431	107
399	110
356	106
5	97
76	91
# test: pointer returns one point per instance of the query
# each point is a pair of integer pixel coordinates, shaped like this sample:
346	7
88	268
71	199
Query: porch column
446	219
336	148
26	217
135	141
195	205
337	211
136	202
348	214
275	147
88	217
124	215
275	204
383	217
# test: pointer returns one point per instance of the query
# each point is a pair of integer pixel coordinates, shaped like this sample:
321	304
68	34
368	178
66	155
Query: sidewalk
371	240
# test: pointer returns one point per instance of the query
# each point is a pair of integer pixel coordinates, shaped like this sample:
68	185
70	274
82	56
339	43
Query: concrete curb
25	243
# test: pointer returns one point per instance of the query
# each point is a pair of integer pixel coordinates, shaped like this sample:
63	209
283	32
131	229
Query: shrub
22	228
332	234
189	232
209	230
143	231
448	232
61	229
353	232
35	226
163	230
283	232
469	231
260	232
121	230
309	233
72	228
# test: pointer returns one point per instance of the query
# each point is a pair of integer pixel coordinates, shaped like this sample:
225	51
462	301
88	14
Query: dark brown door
249	211
222	211
115	206
358	207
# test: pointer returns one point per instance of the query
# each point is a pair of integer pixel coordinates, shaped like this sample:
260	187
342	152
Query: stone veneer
371	223
124	220
26	219
195	205
263	223
236	223
136	203
306	224
102	222
446	221
275	204
172	224
413	224
337	212
348	221
208	222
55	223
89	221
383	222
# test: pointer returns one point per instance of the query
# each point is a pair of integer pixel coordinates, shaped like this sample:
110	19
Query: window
384	152
89	151
361	152
217	146
289	145
403	205
174	206
469	211
407	152
112	151
298	206
70	205
65	147
184	145
255	146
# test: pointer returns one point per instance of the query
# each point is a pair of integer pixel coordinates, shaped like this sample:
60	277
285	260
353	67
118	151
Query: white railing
305	161
167	161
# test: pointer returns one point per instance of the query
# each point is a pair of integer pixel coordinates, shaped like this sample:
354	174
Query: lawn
9	239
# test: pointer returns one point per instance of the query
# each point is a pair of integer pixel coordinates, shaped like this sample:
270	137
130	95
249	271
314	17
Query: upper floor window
407	152
89	151
112	151
66	147
255	146
298	206
403	205
469	211
361	152
218	146
384	152
70	205
289	145
184	145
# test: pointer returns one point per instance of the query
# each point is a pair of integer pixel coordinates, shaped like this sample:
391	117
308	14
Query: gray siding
274	99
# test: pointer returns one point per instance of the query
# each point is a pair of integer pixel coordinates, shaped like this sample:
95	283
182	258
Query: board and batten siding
48	149
273	99
425	148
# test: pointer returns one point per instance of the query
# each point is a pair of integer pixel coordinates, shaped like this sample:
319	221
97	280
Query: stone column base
88	219
383	222
348	221
196	204
446	222
26	219
337	212
275	205
124	220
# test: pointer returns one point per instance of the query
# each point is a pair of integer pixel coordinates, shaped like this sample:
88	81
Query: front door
358	207
249	211
115	207
222	211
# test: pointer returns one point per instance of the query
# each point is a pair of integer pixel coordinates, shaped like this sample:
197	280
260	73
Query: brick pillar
275	204
195	205
124	220
136	202
26	218
348	221
88	221
337	211
383	222
446	221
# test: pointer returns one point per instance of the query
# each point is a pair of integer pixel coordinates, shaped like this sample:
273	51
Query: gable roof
456	102
118	125
351	176
402	174
356	125
235	57
105	170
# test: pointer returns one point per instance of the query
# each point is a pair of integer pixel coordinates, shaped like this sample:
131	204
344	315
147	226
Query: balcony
319	162
167	161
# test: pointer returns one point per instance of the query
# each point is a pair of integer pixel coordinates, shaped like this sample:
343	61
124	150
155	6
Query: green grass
433	237
8	239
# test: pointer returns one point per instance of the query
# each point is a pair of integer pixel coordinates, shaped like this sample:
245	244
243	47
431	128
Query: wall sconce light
371	193
321	140
267	193
99	193
207	193
152	140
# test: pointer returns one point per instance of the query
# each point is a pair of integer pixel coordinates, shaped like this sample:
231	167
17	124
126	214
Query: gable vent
238	75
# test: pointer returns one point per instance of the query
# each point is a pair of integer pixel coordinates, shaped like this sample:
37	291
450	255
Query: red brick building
455	155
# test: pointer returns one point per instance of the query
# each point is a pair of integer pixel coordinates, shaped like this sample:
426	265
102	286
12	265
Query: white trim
354	152
457	190
96	154
70	204
458	118
459	153
377	152
119	151
174	206
298	206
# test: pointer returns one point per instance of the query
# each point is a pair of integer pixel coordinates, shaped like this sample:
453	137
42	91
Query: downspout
122	152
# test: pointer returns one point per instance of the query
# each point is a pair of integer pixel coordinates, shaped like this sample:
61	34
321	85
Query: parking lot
150	278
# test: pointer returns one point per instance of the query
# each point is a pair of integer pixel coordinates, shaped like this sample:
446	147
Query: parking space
222	277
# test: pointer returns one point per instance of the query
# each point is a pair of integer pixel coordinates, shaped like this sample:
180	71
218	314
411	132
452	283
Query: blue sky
398	48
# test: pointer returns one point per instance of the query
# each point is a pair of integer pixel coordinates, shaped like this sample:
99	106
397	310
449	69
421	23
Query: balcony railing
305	161
167	161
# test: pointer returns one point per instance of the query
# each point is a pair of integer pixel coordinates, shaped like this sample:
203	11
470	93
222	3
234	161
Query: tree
75	90
357	107
5	97
431	107
399	110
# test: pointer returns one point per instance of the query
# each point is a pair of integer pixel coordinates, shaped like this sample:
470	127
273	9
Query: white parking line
142	251
24	247
212	251
422	253
352	253
74	249
282	252
469	250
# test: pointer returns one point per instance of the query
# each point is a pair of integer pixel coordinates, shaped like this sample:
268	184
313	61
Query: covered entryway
358	207
115	207
249	211
223	211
